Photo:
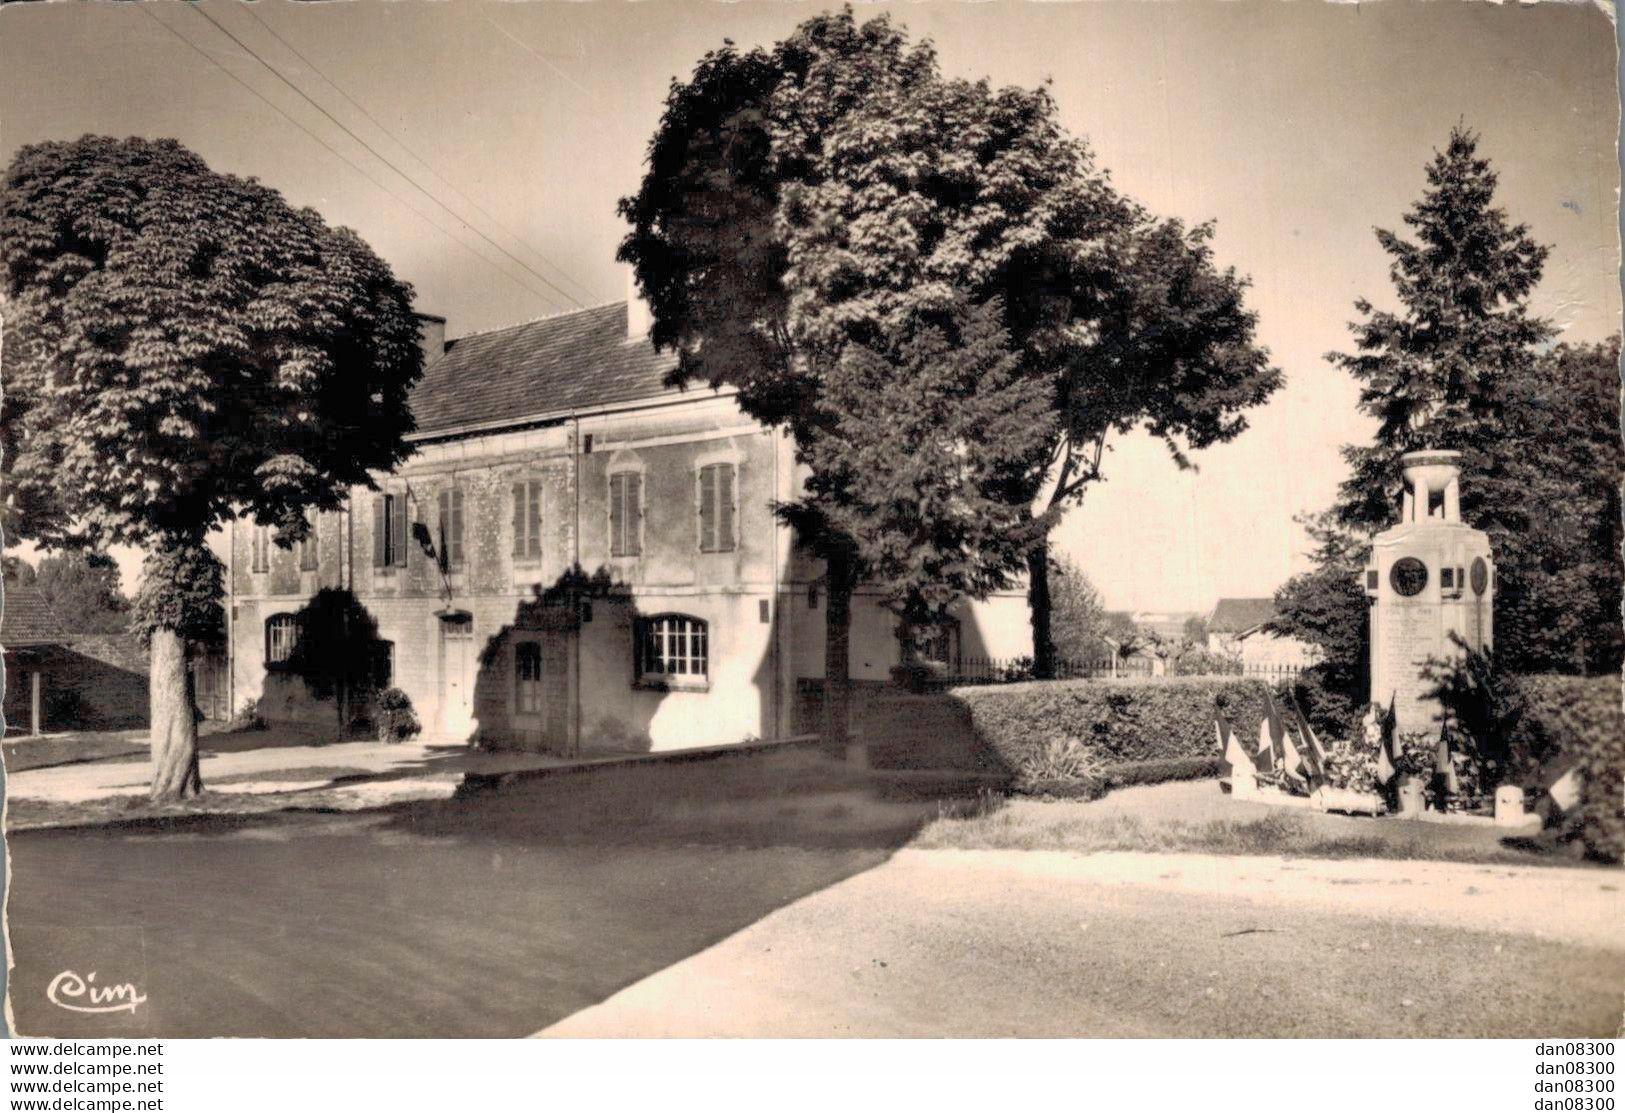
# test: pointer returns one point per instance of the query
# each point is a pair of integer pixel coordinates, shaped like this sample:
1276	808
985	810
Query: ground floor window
527	677
281	635
673	646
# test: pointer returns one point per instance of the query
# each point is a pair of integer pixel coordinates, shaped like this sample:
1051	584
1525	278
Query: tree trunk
1041	609
174	723
837	658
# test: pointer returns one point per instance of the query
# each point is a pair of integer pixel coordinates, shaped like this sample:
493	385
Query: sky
492	140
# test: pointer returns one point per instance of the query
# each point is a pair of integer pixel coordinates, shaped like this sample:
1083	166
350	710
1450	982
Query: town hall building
577	557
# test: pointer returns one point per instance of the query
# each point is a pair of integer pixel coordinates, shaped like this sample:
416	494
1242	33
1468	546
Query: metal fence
1013	670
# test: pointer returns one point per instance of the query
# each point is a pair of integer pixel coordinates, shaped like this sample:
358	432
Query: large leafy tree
184	347
813	212
927	429
835	191
1462	363
82	590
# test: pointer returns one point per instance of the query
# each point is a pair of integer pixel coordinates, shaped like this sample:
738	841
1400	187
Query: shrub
248	717
1061	788
1160	770
1580	717
1113	721
394	717
1198	660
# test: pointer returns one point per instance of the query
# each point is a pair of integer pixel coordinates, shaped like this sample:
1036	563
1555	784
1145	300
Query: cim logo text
70	991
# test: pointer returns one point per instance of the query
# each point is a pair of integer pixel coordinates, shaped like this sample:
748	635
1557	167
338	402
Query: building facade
576	558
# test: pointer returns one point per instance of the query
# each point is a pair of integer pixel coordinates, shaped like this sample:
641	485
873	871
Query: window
451	529
383	664
260	542
527	678
625	514
672	646
389	531
281	636
717	508
308	556
527	520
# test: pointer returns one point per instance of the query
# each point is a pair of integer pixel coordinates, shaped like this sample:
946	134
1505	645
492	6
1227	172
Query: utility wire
212	60
376	154
402	144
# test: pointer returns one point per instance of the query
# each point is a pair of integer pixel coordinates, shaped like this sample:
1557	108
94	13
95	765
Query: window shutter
708	508
534	532
457	527
617	515
634	514
725	508
443	530
520	498
379	525
397	529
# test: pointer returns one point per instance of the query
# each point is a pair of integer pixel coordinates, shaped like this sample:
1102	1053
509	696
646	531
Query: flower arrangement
1351	764
1416	755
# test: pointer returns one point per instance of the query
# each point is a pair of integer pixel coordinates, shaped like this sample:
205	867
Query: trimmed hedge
1154	772
1581	717
1161	770
1115	721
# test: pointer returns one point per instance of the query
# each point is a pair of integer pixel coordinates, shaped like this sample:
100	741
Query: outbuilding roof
1233	616
572	361
27	619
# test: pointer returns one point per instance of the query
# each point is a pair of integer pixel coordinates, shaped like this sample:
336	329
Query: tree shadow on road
495	913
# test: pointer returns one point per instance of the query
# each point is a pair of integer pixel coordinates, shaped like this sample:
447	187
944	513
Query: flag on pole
1385	756
1291	761
1447	768
1314	754
1272	735
1264	758
1237	763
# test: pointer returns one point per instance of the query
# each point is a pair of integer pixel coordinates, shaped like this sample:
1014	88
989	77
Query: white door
457	676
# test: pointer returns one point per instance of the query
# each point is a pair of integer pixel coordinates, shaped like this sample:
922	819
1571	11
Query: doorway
457	675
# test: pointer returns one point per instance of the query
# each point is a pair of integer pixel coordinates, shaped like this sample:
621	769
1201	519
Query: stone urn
1412	797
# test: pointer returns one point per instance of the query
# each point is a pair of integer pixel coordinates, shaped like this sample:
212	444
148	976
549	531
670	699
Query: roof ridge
536	320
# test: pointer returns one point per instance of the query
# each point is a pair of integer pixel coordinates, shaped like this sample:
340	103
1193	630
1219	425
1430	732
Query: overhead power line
403	145
419	213
379	156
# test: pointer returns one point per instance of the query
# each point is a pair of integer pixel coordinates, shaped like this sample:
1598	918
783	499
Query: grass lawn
1196	817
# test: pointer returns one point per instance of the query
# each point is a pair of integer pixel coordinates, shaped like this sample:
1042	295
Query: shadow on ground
495	913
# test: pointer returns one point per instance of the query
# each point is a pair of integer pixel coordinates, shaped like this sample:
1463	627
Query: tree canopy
184	346
838	190
82	589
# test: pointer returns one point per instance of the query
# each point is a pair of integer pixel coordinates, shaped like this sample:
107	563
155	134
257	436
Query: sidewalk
278	761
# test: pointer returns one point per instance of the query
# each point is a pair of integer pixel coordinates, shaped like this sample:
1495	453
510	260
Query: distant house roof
27	619
571	361
1232	616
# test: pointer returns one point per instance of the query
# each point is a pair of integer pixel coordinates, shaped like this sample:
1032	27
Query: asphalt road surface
505	915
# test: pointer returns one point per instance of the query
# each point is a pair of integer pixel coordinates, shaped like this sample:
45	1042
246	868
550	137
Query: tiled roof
572	361
28	619
1232	616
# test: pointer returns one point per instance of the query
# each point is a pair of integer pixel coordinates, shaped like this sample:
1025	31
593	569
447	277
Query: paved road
774	903
490	917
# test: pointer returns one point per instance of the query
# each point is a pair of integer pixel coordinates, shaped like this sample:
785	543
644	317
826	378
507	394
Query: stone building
58	679
1237	629
576	557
